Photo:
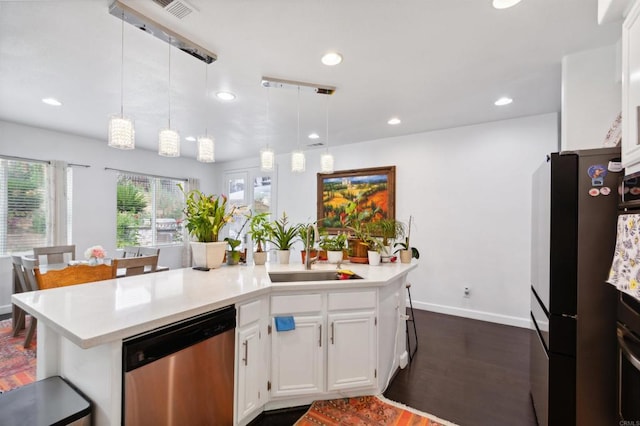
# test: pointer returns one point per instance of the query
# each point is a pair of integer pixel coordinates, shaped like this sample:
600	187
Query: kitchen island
81	328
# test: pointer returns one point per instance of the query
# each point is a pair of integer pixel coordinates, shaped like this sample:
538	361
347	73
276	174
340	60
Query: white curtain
191	184
57	184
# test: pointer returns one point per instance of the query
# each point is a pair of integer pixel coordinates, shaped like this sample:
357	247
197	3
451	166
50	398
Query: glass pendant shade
169	143
267	160
206	146
326	163
297	161
122	135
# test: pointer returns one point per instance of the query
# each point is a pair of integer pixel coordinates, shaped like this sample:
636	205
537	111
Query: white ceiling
433	63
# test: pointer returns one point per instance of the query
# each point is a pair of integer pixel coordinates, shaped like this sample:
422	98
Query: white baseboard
5	309
473	314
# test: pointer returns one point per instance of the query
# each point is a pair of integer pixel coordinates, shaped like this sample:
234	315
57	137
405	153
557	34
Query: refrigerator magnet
594	192
615	166
605	190
597	172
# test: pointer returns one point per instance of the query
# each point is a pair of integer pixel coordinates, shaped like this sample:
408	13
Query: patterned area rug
17	365
366	410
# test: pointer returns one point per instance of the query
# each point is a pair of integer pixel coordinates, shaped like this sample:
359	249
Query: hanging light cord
266	128
122	69
327	123
206	85
169	82
299	146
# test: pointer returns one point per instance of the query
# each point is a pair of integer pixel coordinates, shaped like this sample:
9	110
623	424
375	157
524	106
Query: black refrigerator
573	310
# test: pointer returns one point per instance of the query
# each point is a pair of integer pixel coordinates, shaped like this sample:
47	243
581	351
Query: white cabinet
297	358
251	359
631	90
351	361
332	348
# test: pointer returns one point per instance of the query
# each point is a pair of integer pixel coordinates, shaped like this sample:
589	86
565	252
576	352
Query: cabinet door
351	353
296	358
250	367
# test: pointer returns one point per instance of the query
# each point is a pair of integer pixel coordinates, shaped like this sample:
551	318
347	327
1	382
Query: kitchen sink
291	277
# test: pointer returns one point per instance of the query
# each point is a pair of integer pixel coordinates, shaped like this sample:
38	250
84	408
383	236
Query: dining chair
29	265
134	265
55	254
148	251
20	286
131	251
72	275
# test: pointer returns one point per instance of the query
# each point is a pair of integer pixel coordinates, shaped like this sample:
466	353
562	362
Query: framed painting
372	192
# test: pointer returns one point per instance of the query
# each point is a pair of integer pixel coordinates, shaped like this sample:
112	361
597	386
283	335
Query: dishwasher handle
148	347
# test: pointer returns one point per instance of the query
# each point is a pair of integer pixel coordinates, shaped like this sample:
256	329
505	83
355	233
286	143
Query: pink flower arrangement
95	252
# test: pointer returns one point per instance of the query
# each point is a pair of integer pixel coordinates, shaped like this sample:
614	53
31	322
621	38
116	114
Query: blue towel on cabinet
285	323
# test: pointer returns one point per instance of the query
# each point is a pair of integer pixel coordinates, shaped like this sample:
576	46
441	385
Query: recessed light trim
394	121
503	101
225	96
504	4
51	101
190	139
331	58
314	136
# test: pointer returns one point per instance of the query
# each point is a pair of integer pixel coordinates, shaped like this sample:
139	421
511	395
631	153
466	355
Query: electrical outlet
467	291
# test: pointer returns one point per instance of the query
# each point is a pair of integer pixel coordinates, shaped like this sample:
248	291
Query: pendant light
267	157
326	159
206	143
297	156
169	139
121	132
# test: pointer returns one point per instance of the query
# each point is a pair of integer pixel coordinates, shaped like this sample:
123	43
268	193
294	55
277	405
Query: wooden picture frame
375	187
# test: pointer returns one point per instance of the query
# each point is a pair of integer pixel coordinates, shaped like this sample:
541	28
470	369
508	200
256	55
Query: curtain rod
78	165
145	174
9	157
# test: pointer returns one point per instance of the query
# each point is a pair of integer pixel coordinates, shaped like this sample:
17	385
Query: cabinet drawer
248	313
296	303
352	300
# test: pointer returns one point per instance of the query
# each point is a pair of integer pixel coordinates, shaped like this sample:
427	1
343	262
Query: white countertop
105	311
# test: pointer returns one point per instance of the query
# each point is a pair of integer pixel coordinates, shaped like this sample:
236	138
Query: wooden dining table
20	325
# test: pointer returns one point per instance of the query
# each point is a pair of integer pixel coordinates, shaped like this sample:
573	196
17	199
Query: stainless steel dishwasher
181	374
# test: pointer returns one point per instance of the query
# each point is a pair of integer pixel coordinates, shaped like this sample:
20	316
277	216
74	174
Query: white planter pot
283	256
334	256
374	258
260	258
209	255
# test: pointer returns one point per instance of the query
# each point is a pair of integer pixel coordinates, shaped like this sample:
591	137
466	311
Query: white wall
94	188
591	97
469	191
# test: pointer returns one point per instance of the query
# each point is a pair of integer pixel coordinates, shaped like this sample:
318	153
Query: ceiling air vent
177	8
315	144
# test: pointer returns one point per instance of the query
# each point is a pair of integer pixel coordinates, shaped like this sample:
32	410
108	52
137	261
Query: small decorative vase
374	258
334	256
283	256
260	257
405	256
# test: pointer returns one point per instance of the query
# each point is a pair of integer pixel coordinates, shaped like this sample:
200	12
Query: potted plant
306	233
406	251
356	222
389	230
206	215
283	237
260	230
234	256
335	247
374	246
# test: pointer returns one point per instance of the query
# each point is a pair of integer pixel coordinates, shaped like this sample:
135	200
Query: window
24	205
149	210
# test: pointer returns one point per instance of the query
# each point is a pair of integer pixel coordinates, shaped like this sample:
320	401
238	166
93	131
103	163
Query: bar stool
411	319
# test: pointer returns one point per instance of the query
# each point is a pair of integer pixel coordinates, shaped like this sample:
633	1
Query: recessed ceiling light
314	136
51	101
225	96
394	121
190	139
331	58
503	101
504	4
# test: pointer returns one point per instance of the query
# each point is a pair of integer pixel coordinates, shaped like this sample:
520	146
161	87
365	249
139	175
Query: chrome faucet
313	228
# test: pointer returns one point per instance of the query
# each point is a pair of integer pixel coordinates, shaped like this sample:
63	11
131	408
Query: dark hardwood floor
469	372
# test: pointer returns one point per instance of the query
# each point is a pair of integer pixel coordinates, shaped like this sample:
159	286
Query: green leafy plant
405	245
206	215
304	231
335	243
284	234
260	230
